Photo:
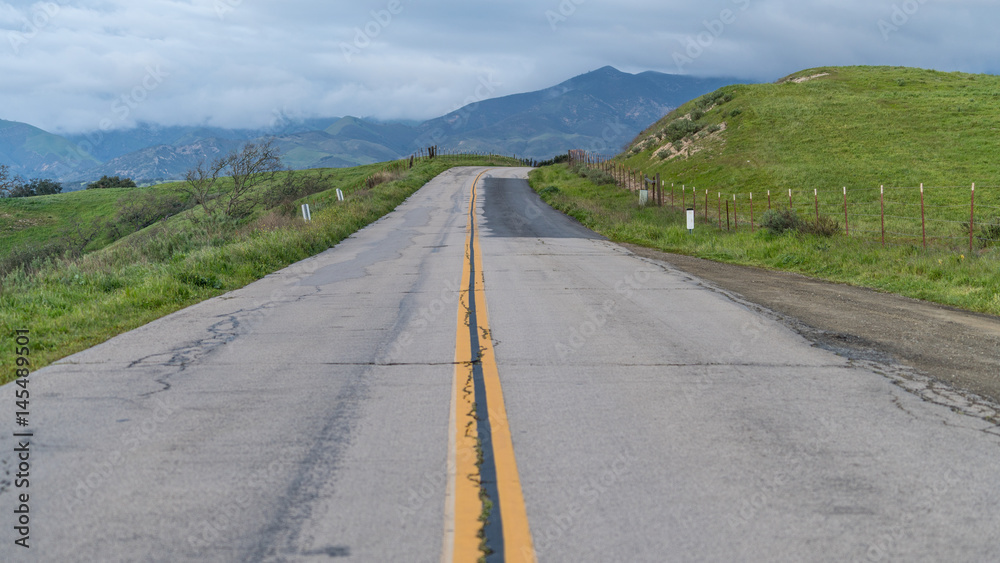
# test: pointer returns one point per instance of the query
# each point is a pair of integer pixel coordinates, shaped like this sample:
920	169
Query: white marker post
690	218
340	195
305	213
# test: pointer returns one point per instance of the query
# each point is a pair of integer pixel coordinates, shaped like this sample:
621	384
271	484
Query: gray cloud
79	65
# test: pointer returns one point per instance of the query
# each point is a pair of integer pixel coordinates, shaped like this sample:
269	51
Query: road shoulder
945	354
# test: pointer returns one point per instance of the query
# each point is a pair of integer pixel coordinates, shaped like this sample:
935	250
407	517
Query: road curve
314	415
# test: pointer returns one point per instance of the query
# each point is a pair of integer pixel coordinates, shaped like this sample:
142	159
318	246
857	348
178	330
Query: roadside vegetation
781	242
821	129
79	268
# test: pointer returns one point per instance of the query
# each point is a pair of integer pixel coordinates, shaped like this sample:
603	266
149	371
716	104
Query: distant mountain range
600	111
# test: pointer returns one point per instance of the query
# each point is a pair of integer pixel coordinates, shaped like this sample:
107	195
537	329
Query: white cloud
66	64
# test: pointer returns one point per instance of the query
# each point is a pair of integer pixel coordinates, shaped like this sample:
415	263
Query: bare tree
7	182
199	183
250	167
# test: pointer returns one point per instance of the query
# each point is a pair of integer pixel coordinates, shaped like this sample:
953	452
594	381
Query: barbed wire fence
954	217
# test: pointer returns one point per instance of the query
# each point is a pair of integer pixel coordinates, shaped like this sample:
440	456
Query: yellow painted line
464	473
464	504
518	545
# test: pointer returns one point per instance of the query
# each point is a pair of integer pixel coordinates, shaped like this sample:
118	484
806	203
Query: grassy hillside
960	279
38	220
822	129
71	302
833	127
28	150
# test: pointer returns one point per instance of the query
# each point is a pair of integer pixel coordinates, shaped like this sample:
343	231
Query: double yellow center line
485	511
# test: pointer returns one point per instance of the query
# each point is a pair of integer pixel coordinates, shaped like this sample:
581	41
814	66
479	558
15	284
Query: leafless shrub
248	168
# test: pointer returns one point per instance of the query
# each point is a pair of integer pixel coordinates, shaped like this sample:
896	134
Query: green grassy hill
41	219
820	129
32	152
832	127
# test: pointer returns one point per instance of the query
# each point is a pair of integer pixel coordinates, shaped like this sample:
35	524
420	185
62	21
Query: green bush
600	177
718	97
680	128
136	214
30	257
778	221
111	182
989	233
595	175
35	187
824	227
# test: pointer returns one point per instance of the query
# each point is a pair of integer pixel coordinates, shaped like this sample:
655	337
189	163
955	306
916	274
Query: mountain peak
607	69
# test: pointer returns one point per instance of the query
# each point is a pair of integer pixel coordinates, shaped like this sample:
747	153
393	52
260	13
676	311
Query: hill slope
31	152
833	127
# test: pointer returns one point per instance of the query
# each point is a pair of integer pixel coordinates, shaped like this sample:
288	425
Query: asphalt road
311	416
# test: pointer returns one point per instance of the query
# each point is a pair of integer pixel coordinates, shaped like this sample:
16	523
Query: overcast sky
80	65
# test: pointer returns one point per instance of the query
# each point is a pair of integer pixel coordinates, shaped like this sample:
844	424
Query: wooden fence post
847	231
972	216
720	212
923	218
882	201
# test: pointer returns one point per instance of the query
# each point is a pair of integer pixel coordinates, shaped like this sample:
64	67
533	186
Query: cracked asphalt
654	417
